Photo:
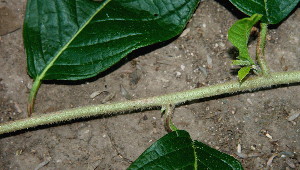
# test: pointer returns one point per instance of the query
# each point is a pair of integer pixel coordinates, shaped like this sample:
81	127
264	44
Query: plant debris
293	115
185	32
48	159
283	154
124	93
107	98
209	62
245	156
96	93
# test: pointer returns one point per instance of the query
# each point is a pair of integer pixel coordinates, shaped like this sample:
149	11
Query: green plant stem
36	85
251	83
261	41
168	118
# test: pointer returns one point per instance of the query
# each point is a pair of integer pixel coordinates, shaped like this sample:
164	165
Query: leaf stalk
168	116
36	85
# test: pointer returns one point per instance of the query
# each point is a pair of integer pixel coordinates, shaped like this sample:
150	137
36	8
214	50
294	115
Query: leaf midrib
50	64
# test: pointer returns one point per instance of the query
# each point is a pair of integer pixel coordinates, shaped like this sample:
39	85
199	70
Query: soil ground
115	141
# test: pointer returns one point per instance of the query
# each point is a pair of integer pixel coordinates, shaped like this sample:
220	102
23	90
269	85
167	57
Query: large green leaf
77	39
176	150
273	11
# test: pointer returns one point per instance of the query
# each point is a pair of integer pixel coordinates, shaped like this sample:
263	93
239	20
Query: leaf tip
243	72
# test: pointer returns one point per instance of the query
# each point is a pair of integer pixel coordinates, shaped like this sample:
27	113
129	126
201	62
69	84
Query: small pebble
178	74
222	44
249	101
182	67
269	136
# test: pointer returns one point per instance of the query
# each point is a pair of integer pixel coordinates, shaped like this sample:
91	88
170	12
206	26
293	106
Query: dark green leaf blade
176	150
49	26
214	159
172	151
113	32
273	11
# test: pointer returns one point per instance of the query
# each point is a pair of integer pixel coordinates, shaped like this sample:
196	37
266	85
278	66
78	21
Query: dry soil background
114	142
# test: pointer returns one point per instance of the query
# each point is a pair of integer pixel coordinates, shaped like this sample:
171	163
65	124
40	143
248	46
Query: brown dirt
113	142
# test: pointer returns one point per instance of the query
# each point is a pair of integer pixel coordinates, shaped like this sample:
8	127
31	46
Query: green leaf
273	11
176	150
77	39
243	72
240	62
238	35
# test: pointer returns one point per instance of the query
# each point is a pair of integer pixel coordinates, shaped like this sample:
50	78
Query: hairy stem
35	87
261	41
251	83
168	116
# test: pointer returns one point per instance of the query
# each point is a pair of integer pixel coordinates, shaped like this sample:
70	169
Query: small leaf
238	35
240	62
243	72
176	150
273	11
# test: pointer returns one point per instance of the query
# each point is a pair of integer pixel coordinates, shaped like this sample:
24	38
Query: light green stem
251	83
260	55
35	87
